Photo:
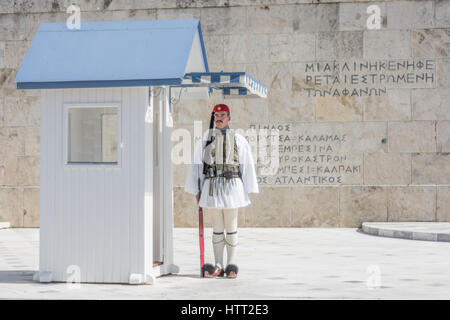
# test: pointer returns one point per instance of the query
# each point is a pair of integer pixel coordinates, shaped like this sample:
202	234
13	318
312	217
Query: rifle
204	267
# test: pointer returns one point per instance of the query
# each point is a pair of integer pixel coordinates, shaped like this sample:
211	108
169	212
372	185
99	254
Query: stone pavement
275	263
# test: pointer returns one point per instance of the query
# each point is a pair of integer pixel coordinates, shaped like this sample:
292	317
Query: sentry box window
92	134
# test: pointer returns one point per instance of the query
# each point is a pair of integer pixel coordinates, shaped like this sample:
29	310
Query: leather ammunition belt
218	171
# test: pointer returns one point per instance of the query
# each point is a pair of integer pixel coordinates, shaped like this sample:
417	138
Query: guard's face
221	119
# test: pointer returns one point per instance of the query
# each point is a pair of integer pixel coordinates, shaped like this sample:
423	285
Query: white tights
224	220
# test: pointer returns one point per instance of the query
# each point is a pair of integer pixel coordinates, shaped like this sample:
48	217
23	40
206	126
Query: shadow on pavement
17	276
174	275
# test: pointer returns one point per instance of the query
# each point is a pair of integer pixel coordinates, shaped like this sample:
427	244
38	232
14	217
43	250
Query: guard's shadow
193	276
177	275
17	276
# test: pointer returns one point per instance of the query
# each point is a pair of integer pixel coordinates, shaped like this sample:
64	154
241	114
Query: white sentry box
106	185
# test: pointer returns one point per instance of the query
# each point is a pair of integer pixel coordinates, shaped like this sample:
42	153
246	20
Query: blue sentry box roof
110	53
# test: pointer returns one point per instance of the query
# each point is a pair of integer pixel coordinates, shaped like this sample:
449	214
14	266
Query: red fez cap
221	107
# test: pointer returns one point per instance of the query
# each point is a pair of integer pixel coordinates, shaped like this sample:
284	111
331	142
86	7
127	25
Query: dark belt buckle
228	174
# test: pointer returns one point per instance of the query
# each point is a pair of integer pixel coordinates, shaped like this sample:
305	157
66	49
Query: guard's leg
231	224
218	238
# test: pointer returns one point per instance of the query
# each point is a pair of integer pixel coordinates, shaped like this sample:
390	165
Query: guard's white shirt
236	195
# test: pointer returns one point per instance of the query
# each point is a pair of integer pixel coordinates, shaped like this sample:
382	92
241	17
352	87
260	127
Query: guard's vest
221	168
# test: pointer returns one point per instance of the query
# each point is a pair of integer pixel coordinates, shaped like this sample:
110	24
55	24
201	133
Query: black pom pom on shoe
231	268
208	270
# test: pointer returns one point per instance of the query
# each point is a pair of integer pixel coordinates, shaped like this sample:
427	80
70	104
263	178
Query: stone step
430	231
4	225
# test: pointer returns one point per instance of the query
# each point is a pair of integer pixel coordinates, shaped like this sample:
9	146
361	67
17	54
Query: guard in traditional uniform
224	164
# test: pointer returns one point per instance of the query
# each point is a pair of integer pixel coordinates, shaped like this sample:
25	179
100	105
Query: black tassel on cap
211	126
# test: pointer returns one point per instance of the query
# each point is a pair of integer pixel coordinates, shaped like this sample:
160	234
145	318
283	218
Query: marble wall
398	134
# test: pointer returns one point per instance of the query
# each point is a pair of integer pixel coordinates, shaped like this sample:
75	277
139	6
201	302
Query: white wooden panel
124	257
161	177
57	182
160	182
139	169
63	188
50	180
167	179
134	222
148	196
137	224
84	194
76	209
73	201
119	219
100	213
44	206
157	195
91	194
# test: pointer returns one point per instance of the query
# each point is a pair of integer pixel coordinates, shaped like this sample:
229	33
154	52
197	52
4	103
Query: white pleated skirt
226	195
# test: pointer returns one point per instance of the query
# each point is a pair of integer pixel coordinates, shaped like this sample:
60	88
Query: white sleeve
195	171
247	168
